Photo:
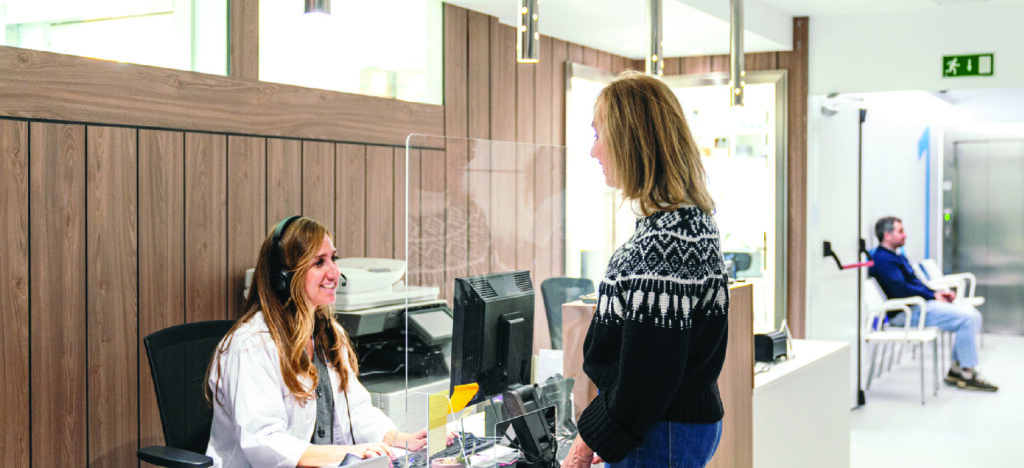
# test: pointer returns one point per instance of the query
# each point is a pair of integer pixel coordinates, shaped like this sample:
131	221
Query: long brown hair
654	157
291	320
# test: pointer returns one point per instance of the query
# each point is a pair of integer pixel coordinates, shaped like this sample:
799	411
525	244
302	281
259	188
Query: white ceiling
691	27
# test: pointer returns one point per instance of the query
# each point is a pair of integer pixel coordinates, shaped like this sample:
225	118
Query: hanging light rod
737	64
655	59
318	6
528	37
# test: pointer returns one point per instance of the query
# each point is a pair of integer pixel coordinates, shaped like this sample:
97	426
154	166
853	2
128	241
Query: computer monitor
492	333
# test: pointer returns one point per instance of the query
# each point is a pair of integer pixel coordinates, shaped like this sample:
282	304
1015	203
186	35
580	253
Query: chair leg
871	370
922	345
881	361
897	351
935	366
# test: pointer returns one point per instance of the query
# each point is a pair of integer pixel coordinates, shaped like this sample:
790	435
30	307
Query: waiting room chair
559	290
963	283
877	332
178	358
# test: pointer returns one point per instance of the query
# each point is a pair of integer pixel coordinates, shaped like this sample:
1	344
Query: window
387	48
181	34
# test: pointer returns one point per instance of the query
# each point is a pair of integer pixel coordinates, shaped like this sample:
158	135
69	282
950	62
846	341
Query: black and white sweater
657	341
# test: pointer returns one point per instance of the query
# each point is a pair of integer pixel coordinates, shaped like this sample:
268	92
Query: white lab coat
257	421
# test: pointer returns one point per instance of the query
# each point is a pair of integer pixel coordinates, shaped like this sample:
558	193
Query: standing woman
283	381
657	341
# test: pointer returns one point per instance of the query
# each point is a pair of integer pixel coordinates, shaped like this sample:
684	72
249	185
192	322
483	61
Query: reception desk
736	382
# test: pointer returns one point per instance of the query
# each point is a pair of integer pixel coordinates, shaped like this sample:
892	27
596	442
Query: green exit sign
967	65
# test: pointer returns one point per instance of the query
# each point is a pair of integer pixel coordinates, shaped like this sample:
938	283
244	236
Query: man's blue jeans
963	320
674	445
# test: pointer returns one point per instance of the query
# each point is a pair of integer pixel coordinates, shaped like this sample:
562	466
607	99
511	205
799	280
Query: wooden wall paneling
247	212
575	53
350	236
719	63
380	201
401	191
456	208
432	217
673	66
761	61
112	294
619	63
796	62
456	115
14	291
46	85
559	55
244	43
524	200
695	65
590	57
58	299
558	214
478	79
501	208
456	62
479	149
604	60
544	87
414	273
284	180
205	227
161	257
318	182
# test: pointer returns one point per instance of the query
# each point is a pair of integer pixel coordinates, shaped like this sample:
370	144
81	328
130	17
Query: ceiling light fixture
528	37
737	66
318	6
655	60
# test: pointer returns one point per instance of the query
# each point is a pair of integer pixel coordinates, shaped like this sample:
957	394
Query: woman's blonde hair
290	319
654	158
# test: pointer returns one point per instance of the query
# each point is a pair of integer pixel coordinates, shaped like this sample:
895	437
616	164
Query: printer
376	308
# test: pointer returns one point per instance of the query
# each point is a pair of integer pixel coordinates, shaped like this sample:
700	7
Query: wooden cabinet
736	383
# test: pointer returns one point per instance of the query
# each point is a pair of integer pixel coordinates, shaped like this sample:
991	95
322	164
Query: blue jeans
674	445
963	320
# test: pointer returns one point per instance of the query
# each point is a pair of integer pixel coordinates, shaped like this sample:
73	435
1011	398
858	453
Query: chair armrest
904	303
968	278
173	457
947	282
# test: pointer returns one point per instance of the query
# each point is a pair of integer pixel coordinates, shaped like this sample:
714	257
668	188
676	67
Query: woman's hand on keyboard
368	450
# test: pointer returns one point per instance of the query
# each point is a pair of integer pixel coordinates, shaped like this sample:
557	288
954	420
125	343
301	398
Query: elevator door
990	230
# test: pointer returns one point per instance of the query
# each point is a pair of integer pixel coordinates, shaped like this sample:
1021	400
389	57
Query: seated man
897	279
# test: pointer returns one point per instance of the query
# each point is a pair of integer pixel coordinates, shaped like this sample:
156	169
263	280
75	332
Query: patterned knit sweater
657	341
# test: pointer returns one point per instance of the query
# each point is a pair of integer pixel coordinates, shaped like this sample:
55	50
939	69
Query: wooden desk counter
736	383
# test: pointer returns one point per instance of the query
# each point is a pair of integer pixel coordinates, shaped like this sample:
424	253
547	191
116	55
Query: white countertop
805	353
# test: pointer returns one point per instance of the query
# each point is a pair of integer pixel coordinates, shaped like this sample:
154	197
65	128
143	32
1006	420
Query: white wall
903	50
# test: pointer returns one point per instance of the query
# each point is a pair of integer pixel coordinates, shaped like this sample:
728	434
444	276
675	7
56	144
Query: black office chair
557	291
178	357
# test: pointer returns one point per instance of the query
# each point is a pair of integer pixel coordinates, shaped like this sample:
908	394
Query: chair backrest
931	269
740	259
557	291
874	297
178	358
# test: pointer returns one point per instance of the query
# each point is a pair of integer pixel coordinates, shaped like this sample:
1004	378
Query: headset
280	277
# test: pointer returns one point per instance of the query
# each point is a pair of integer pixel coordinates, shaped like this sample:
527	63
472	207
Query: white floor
957	428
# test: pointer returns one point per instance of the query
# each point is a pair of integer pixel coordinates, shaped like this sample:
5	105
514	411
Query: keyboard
472	443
